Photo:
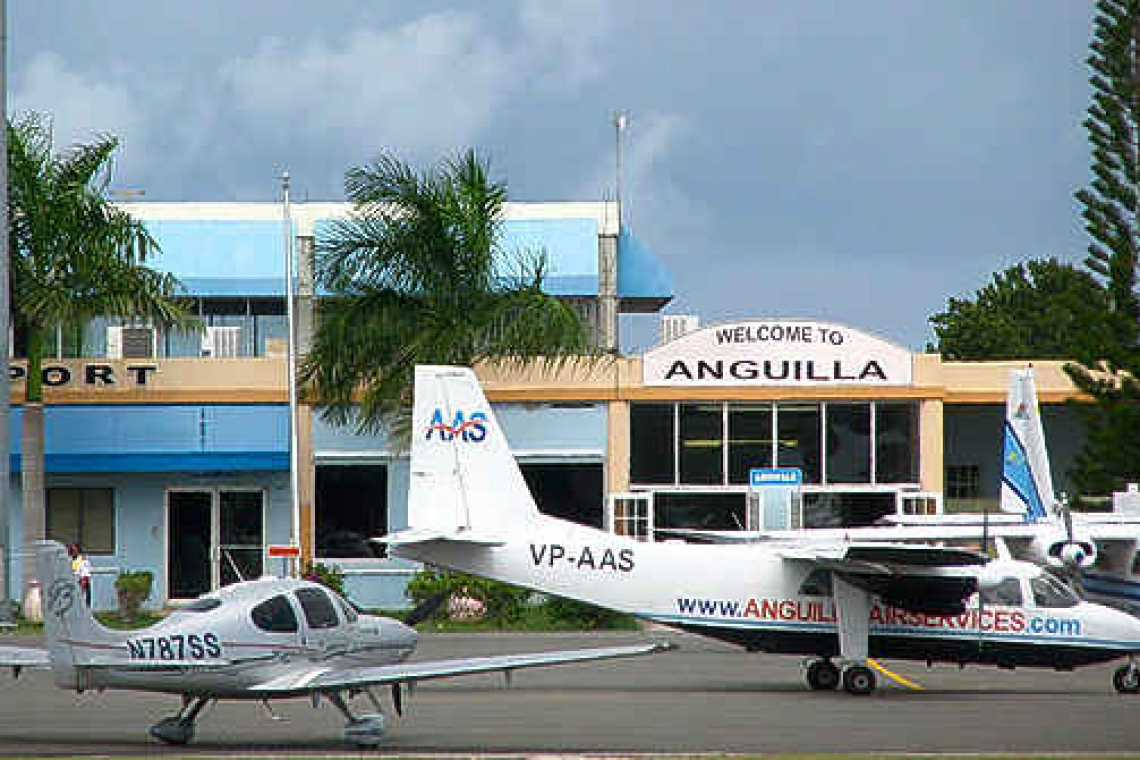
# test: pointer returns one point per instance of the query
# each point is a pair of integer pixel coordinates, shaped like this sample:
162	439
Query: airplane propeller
425	609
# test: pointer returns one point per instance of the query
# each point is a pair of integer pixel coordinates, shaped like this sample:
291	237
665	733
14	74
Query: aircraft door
321	629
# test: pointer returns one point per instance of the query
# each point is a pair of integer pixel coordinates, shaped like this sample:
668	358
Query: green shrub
326	575
575	614
132	588
504	603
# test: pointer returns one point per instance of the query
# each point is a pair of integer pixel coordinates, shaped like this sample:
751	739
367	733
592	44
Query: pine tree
1111	456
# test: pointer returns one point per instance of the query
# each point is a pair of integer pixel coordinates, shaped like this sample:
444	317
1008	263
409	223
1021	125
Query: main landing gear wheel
822	675
1126	679
179	729
176	731
858	680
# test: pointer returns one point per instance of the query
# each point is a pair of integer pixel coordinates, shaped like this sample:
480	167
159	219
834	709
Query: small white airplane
469	510
256	640
1098	552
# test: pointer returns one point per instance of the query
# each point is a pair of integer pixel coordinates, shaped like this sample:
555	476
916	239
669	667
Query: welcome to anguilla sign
777	352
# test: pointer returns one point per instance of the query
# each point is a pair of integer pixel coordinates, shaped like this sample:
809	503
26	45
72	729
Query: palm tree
74	256
417	274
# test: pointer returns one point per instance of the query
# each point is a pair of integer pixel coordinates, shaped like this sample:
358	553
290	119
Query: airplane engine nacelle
1071	555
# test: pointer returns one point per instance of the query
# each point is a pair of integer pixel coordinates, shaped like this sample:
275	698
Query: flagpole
291	353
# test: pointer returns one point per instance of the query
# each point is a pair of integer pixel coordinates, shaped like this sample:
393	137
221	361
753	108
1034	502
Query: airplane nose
1125	628
401	635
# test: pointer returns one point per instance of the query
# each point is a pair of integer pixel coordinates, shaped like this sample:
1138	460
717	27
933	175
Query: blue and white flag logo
1018	475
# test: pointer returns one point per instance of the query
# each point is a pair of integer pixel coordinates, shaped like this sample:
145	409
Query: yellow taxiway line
894	676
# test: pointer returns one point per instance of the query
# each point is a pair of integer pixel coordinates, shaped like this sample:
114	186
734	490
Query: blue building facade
170	451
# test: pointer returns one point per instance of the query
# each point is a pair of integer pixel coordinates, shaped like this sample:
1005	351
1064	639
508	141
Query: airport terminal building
171	451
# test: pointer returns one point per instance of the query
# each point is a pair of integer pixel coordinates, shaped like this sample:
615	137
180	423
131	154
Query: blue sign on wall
775	476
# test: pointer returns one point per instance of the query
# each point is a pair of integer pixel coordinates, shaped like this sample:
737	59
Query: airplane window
318	608
1050	592
1006	592
202	605
818	583
347	608
275	615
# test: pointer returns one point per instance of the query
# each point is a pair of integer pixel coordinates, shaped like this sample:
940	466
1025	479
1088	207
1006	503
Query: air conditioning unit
673	326
131	342
221	342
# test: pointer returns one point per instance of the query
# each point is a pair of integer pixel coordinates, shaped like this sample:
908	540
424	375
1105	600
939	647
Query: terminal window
835	442
351	507
83	516
963	481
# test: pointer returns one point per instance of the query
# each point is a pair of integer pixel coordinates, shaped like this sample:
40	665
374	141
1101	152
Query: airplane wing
152	665
24	657
892	558
330	679
933	580
422	536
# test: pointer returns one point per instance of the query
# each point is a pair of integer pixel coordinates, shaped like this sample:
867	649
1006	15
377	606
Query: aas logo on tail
472	428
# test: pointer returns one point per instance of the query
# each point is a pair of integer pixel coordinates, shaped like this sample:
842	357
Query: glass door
240	533
190	535
215	537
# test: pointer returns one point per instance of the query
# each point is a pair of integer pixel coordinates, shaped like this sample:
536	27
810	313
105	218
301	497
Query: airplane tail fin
70	630
1026	482
465	482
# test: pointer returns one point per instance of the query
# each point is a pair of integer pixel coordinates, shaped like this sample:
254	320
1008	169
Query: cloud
81	106
568	38
425	86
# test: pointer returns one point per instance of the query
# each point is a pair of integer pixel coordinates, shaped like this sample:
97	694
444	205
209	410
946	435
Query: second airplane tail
1026	482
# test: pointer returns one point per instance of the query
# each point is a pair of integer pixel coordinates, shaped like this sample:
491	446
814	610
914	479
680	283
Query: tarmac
704	697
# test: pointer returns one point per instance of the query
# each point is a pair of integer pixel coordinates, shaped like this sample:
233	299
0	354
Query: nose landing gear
1126	679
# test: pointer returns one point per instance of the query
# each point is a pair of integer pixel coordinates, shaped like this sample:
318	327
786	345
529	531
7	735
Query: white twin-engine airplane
264	640
1099	552
469	510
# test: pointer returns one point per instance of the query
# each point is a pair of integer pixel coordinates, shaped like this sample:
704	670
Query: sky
850	162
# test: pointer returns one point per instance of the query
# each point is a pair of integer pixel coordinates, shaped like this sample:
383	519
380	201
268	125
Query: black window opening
848	443
318	608
896	442
275	615
568	491
963	481
799	439
82	516
651	439
831	509
831	443
694	509
701	456
351	508
749	440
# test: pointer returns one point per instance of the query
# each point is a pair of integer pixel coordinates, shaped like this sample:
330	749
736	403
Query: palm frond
417	272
